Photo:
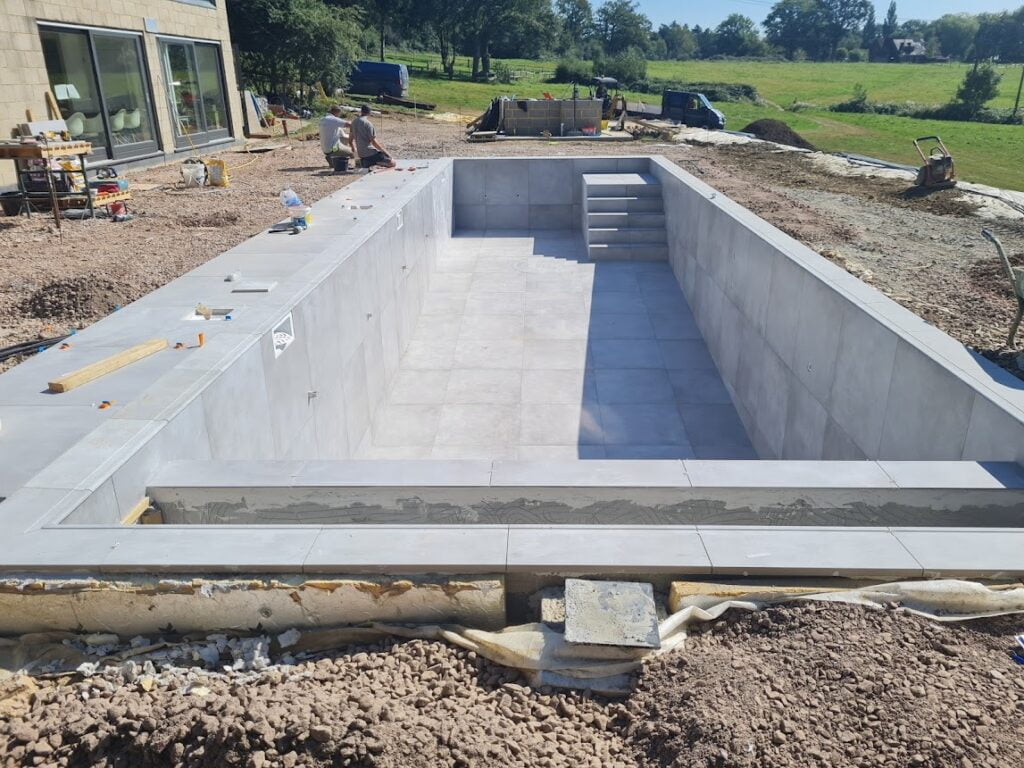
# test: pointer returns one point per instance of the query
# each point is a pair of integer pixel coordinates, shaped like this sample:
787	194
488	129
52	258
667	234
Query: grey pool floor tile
529	351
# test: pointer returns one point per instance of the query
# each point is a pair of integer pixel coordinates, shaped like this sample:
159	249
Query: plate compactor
939	170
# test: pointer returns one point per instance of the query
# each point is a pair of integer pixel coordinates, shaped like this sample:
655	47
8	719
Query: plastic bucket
193	174
218	171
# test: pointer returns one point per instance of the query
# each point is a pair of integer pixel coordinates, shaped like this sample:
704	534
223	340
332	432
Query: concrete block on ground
611	613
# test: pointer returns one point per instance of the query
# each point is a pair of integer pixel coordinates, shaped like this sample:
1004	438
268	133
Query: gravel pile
779	132
808	685
822	685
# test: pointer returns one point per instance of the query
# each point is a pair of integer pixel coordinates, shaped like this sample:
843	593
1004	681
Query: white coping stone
178	548
966	552
818	551
954	474
366	548
592	474
225	474
607	549
787	474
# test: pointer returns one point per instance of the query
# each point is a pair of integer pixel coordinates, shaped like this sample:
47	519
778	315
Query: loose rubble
801	685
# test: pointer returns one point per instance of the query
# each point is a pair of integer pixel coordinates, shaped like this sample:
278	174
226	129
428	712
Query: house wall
23	76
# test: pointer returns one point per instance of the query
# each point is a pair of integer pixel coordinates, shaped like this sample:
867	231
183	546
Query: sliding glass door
195	85
98	79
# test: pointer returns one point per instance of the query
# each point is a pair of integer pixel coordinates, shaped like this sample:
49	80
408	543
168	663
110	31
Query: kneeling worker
364	139
334	143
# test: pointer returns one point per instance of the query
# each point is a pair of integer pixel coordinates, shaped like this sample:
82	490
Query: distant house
898	49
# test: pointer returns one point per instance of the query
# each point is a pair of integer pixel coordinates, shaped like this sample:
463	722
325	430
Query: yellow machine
939	170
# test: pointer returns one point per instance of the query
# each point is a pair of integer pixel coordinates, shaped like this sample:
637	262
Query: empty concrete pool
514	370
526	349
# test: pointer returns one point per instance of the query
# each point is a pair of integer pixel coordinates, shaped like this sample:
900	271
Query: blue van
373	78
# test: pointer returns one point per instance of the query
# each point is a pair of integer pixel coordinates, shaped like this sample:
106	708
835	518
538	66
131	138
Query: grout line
906	549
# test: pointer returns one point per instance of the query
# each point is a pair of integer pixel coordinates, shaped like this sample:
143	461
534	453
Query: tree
382	14
955	33
485	21
980	85
680	42
293	42
891	23
577	22
843	17
795	25
621	26
738	36
870	33
443	18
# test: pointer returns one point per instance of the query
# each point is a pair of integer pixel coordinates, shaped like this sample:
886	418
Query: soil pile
809	685
779	132
78	298
821	685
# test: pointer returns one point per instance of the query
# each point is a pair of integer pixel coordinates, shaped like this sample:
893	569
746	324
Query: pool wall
819	364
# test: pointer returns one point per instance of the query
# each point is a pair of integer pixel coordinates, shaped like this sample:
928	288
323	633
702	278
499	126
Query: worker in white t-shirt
334	141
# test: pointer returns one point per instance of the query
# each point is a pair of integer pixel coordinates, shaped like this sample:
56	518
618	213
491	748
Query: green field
990	154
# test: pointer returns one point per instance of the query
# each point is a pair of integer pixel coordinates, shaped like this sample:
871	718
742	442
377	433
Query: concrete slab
592	550
848	552
618	613
398	549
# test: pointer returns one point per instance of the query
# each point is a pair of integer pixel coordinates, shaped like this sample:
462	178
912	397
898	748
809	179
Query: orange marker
202	339
105	404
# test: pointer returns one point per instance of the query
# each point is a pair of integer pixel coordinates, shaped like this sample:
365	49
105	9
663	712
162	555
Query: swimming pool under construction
494	373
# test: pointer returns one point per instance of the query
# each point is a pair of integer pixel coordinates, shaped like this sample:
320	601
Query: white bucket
193	174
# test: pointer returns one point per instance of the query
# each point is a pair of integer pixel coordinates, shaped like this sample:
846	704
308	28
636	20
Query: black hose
28	347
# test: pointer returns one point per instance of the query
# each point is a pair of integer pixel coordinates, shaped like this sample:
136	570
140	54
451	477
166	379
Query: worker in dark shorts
363	138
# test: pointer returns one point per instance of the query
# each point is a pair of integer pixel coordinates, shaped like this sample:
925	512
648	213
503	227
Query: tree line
280	41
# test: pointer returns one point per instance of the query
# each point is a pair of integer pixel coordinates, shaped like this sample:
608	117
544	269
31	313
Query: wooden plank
51	103
137	511
107	365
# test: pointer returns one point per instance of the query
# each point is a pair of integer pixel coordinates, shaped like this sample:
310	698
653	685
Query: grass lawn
988	154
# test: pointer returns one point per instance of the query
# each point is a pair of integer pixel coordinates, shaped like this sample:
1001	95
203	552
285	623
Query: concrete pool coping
98	463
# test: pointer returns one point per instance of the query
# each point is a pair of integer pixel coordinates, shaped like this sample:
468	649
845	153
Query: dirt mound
990	275
825	685
77	298
808	686
779	132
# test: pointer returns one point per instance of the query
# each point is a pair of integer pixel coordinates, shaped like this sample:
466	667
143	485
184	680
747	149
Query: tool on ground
202	339
107	365
1016	275
939	170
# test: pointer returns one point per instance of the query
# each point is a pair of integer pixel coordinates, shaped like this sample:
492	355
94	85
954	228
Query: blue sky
705	12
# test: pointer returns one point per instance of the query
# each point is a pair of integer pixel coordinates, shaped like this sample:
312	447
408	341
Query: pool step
601	220
625	217
627	235
624	205
628	252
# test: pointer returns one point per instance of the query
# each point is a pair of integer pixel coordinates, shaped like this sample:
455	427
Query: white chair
75	124
133	120
93	126
117	121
